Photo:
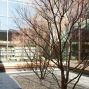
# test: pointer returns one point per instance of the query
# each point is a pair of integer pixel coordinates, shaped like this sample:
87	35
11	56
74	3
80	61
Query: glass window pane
13	9
3	8
11	24
30	10
3	23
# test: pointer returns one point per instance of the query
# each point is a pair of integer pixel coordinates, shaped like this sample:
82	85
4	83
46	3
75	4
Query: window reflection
8	16
3	8
3	23
12	9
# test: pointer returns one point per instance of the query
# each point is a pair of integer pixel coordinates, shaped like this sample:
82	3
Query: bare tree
52	34
34	41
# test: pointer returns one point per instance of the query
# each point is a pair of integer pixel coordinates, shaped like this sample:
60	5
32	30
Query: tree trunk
63	82
63	86
79	45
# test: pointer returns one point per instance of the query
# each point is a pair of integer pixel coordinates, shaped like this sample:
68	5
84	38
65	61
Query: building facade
9	51
16	49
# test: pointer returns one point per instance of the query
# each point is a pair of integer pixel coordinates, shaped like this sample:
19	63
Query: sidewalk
73	64
6	82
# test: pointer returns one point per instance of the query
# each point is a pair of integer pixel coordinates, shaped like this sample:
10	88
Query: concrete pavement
6	82
83	83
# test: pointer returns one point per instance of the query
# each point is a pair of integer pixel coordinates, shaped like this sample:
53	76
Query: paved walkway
83	83
6	82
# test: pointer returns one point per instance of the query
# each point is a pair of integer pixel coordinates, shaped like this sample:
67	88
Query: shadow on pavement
7	82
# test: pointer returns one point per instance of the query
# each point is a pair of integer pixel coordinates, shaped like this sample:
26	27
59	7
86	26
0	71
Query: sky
10	12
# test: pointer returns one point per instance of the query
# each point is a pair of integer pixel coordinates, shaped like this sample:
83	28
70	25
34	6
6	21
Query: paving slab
6	82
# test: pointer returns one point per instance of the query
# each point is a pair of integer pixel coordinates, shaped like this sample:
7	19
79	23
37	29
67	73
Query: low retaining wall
19	66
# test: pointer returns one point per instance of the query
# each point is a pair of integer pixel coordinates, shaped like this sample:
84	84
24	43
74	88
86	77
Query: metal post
7	34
